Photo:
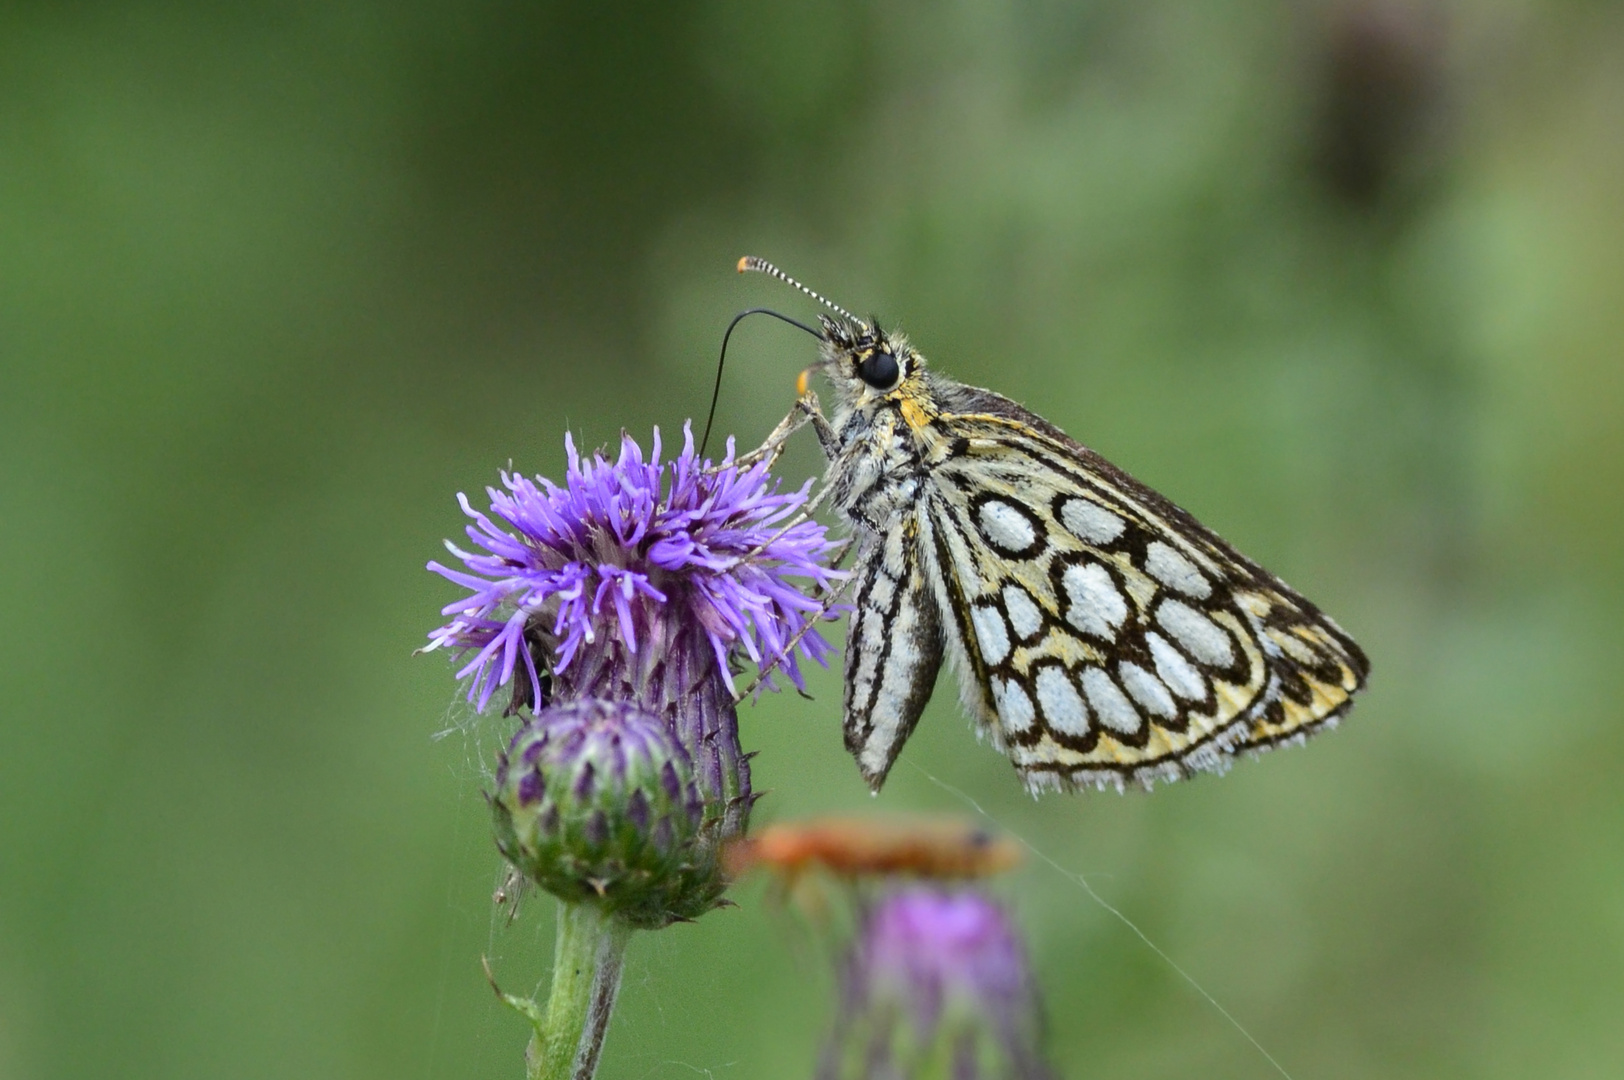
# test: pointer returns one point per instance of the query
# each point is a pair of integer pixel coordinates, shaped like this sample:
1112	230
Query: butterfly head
866	363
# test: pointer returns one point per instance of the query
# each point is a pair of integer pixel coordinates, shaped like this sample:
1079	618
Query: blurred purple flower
936	985
590	565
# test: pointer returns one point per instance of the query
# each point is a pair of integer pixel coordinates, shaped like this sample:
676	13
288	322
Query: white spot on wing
1197	633
1024	613
1090	521
1096	606
1176	671
991	633
1147	689
1063	707
1014	707
1006	527
1113	708
1169	566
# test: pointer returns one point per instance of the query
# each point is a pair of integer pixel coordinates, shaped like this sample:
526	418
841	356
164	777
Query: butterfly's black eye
879	370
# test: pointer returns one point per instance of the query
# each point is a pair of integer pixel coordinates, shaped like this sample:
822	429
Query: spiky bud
595	801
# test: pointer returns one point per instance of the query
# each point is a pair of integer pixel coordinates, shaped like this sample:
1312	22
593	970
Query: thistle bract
596	803
936	987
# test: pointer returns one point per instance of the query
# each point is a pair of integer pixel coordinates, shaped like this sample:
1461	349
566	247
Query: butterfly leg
773	446
826	605
806	410
828	440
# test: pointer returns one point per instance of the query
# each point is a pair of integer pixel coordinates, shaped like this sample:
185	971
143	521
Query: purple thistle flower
590	565
641	582
936	985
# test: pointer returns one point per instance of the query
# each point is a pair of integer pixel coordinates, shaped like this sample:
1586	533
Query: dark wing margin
893	651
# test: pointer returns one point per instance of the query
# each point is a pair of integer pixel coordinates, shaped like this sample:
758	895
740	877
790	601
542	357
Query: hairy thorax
878	472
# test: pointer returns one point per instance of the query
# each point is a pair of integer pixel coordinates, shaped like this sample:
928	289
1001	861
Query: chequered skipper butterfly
1102	636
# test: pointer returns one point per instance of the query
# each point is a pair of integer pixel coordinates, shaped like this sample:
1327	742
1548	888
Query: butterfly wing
1103	636
893	649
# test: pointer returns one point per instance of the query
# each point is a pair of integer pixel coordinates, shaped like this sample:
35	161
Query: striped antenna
750	262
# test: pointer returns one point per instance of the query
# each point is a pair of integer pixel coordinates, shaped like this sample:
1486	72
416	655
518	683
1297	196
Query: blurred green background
277	280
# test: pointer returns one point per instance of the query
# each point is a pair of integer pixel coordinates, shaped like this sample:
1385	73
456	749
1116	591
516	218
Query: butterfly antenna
750	262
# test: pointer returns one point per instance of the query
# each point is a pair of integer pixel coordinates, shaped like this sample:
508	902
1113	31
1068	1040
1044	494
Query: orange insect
870	847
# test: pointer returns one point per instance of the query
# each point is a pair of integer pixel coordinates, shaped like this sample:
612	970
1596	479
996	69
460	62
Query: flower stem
586	976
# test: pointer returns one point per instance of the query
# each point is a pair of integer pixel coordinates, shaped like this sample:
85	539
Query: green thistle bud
595	801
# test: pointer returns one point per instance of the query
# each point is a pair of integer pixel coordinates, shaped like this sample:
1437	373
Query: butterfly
1102	636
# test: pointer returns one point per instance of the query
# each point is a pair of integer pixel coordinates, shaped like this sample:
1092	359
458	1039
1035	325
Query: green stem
586	977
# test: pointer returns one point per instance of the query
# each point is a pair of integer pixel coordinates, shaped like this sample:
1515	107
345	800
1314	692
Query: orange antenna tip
744	263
